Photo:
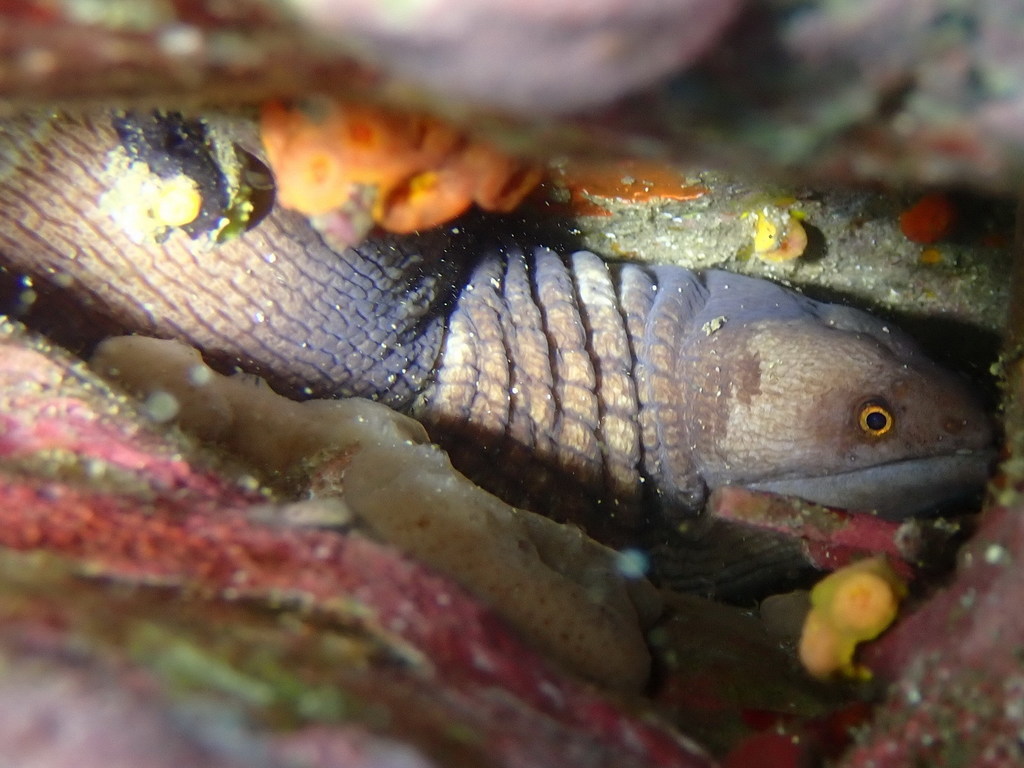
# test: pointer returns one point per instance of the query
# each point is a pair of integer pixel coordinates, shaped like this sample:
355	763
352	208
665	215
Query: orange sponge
854	604
422	171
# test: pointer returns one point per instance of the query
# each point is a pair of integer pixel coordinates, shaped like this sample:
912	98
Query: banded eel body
613	395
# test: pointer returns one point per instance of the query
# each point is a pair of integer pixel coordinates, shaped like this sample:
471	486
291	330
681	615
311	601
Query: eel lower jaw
895	490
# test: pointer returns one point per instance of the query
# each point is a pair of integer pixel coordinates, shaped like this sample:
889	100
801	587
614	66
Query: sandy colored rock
555	585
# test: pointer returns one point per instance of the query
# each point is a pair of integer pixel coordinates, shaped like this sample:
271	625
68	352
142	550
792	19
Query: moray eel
614	395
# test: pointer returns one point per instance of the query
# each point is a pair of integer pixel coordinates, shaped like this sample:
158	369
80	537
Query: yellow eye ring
875	419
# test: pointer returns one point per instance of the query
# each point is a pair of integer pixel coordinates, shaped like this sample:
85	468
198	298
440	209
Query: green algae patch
277	667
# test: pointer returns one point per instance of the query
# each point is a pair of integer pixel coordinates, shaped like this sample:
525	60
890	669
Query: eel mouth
895	490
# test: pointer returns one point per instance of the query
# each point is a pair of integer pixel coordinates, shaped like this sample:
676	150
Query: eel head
834	406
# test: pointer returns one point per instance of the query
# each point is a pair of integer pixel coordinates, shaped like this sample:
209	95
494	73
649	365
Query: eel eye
874	418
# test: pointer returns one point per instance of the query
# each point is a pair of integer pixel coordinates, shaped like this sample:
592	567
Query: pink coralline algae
825	539
82	477
957	693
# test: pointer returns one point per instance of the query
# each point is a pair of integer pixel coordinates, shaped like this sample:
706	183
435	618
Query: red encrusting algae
631	181
930	219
